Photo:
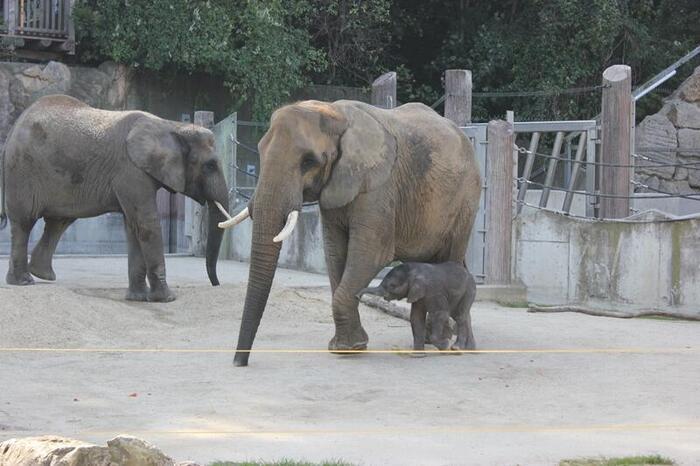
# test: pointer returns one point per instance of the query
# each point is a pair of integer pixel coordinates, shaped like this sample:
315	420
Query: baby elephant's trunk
375	290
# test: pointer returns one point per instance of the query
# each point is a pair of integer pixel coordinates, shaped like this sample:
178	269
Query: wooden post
384	90
499	202
458	96
198	238
616	128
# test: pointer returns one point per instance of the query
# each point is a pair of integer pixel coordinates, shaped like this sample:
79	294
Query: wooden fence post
384	90
616	130
198	238
499	202
458	96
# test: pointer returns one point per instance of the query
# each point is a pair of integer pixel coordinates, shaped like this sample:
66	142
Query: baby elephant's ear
416	289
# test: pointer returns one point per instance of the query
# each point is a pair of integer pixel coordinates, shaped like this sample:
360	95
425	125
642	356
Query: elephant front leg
138	291
144	226
463	320
418	328
368	252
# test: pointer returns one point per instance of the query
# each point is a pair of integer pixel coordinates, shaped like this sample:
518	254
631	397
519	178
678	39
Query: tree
251	44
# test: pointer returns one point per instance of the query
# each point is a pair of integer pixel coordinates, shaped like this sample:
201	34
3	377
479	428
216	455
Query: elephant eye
308	162
209	166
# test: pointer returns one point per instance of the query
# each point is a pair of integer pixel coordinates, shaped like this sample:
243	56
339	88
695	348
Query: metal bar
664	74
550	126
61	24
568	199
527	170
591	172
551	169
567	162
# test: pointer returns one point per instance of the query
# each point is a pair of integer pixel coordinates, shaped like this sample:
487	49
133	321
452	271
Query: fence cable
653	163
662	194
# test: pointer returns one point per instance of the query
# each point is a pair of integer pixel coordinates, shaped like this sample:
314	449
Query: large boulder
59	451
37	81
689	142
684	115
690	89
655	137
50	451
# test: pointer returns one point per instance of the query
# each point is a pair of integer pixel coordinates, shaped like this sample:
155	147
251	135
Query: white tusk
288	227
232	222
223	211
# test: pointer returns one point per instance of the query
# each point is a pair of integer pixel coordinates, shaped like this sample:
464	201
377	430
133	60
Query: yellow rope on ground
325	351
408	431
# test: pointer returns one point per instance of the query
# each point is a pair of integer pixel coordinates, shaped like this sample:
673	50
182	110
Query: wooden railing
44	21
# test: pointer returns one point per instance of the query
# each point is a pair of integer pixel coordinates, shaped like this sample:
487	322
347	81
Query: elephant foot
462	347
417	354
45	272
355	341
161	295
442	345
137	295
21	279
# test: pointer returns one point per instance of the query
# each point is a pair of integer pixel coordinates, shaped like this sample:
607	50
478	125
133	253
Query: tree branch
618	314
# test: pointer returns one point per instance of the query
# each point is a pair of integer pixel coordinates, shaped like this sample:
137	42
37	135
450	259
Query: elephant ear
366	157
155	146
416	288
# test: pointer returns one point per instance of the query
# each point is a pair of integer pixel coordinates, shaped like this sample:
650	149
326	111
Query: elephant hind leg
17	273
42	255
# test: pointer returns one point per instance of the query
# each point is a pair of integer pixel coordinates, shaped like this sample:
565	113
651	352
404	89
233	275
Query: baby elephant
437	290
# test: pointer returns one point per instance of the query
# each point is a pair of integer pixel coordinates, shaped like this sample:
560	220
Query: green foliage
251	44
622	461
264	50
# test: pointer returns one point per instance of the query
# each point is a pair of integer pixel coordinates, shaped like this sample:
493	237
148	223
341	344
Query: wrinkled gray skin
391	184
439	291
65	160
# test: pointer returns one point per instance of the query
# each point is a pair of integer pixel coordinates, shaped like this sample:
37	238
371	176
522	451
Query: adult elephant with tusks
65	160
391	184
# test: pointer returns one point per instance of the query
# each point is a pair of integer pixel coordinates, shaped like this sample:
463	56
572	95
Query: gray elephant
439	291
391	184
66	160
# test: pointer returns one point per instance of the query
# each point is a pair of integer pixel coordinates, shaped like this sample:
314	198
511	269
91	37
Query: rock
59	451
118	88
655	137
693	171
187	463
689	139
685	115
50	450
131	451
34	82
651	181
675	186
690	89
55	72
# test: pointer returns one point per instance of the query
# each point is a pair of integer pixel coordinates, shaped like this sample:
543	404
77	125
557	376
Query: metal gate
476	252
568	135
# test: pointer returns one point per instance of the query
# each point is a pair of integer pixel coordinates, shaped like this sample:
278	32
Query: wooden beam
499	202
458	96
616	132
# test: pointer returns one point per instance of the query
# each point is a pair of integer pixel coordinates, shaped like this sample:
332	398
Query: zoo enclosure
562	166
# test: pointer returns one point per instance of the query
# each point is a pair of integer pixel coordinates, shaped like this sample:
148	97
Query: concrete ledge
502	294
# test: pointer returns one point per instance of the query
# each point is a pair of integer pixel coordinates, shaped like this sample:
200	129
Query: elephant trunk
268	219
214	237
375	290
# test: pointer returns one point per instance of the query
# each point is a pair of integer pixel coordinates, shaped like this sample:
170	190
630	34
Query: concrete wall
649	263
303	250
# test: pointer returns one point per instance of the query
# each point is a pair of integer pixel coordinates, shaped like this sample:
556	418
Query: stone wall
672	136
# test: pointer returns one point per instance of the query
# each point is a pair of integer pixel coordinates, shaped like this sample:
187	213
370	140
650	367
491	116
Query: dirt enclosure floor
528	408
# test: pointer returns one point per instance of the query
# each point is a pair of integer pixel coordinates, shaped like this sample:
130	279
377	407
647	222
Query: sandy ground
376	409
